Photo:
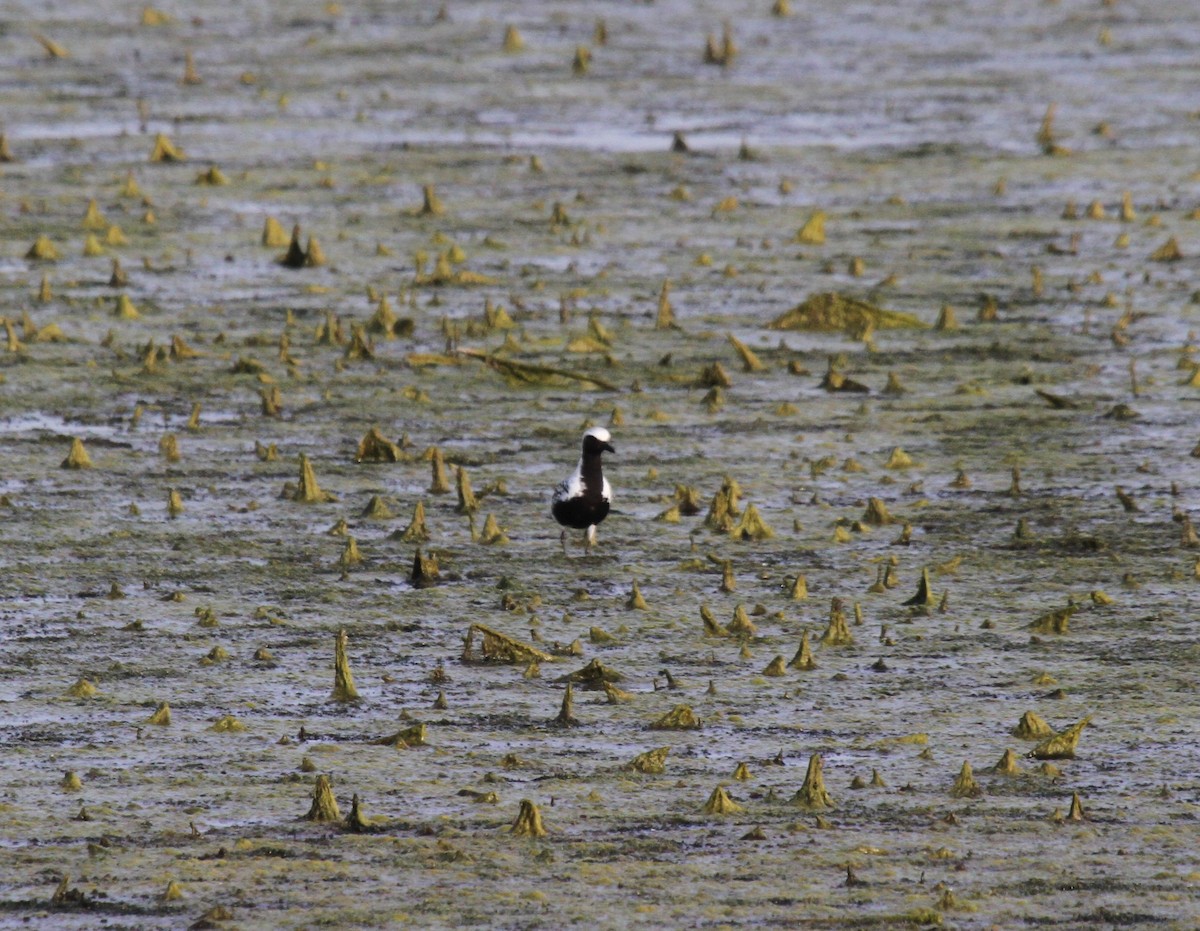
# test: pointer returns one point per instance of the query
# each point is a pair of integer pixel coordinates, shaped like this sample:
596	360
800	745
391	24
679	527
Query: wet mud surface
1033	448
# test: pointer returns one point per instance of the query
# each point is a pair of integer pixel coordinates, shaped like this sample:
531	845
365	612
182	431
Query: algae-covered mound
307	491
812	794
375	447
78	457
1032	726
356	822
343	681
803	659
712	627
680	718
719	803
161	716
324	805
1060	746
425	570
529	821
416	531
592	676
965	785
838	631
412	736
83	688
829	311
651	762
500	648
1054	622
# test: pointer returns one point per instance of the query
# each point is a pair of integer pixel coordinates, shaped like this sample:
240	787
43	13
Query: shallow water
899	123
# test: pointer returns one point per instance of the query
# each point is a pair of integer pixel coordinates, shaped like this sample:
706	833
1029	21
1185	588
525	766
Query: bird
582	500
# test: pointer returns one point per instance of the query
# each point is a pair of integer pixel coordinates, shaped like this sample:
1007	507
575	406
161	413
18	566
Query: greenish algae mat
894	623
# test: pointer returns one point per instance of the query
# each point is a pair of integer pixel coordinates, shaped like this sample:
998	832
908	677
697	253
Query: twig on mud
530	373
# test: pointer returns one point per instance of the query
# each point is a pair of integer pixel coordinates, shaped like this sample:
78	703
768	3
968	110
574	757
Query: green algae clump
751	526
724	507
812	233
877	513
679	718
924	596
1032	726
440	484
83	688
274	235
1076	812
42	250
529	821
832	312
78	457
513	41
665	318
750	360
213	177
161	716
324	806
965	785
496	647
838	632
1054	622
425	570
1169	251
636	602
343	678
356	822
712	627
566	713
308	491
777	667
803	660
376	509
1060	746
812	794
799	588
741	625
719	803
350	556
492	533
416	531
431	204
651	762
1007	765
592	676
403	739
165	150
616	696
375	447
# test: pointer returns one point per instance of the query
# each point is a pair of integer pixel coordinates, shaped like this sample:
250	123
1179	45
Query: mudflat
890	313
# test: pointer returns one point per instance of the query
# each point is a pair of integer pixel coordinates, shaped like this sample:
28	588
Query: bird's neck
589	471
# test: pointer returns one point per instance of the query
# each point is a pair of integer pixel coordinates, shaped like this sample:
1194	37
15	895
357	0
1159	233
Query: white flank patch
572	487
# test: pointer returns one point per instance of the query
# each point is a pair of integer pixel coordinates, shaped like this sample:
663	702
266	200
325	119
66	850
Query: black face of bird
594	447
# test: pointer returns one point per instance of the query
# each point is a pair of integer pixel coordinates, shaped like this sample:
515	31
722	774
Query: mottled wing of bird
570	487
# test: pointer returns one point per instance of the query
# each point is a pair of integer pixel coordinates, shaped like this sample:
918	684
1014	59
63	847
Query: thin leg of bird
590	539
562	538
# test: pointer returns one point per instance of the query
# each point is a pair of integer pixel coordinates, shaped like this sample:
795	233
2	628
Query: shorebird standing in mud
583	500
